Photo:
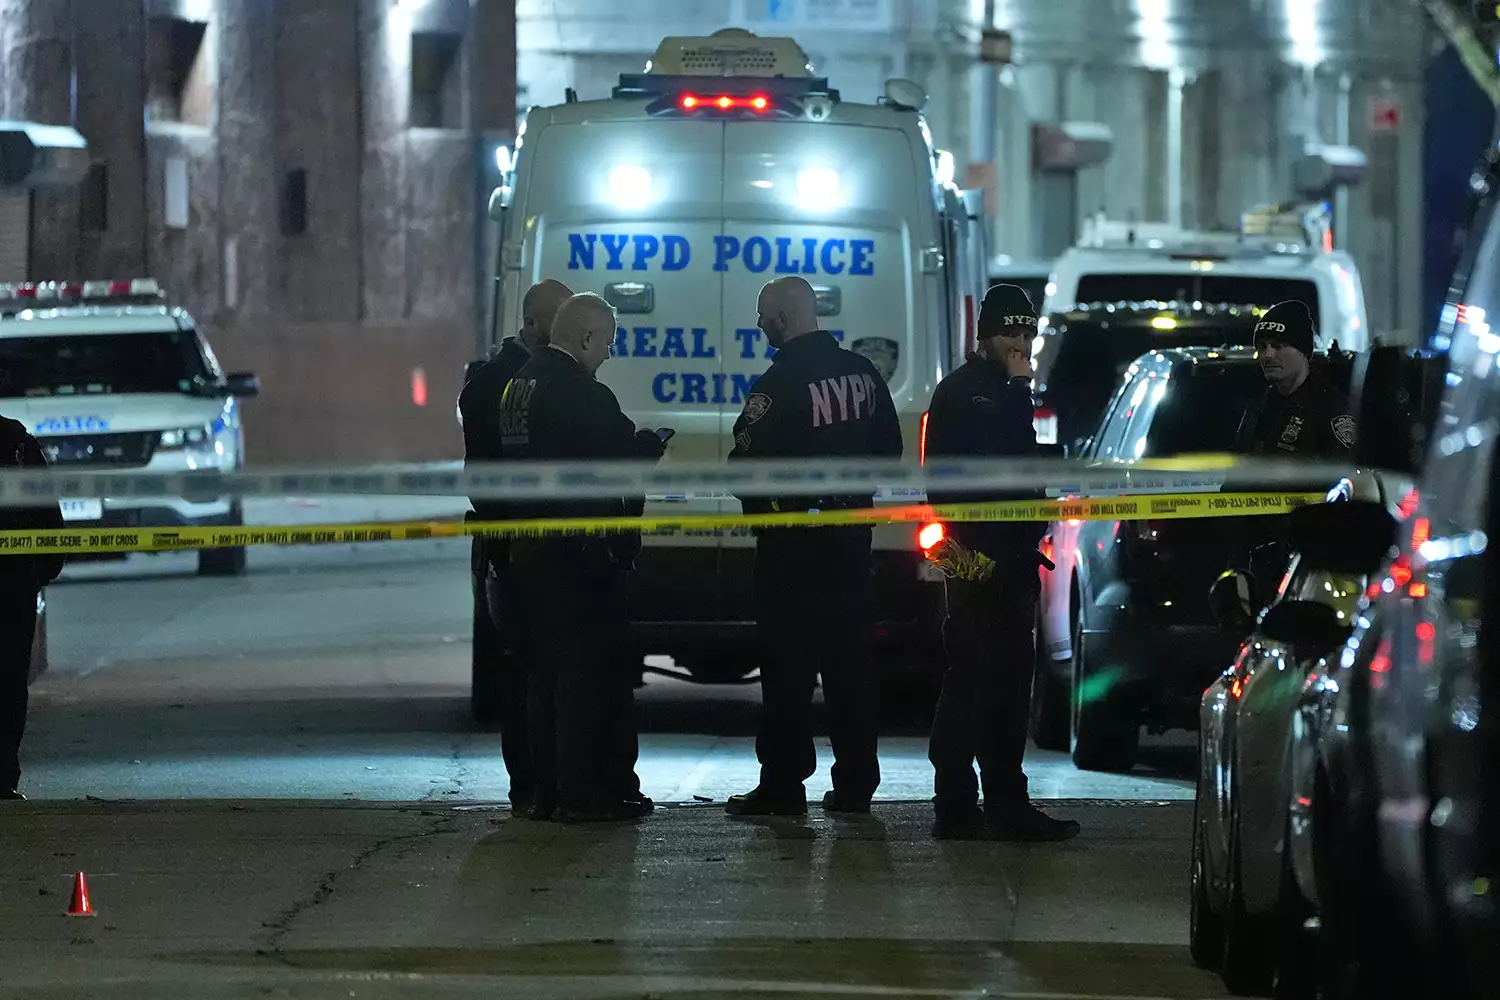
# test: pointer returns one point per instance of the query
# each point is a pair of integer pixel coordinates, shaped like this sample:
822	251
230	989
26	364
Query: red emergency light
73	291
724	102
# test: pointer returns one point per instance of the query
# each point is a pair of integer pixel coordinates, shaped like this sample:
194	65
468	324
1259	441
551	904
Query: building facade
307	177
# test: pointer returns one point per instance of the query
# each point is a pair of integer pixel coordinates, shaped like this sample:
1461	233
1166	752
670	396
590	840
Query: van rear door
631	210
835	204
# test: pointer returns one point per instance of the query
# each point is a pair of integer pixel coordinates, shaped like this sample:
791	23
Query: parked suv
1126	635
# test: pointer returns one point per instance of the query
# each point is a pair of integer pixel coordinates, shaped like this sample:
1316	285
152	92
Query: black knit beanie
1291	323
1004	308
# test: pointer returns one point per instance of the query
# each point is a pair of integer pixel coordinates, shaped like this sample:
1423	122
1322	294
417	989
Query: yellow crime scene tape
84	541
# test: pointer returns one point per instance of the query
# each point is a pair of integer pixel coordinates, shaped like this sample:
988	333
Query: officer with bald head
812	585
572	587
500	661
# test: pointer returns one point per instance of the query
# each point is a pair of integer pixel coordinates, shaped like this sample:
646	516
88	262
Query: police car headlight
818	188
181	438
630	186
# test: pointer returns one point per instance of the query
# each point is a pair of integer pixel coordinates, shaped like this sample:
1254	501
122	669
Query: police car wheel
225	562
1105	732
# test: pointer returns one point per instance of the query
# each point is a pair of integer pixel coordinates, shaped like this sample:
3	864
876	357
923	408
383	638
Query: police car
108	375
724	165
1278	254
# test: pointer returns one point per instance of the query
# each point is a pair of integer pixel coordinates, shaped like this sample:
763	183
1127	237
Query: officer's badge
1292	431
881	352
756	406
1343	429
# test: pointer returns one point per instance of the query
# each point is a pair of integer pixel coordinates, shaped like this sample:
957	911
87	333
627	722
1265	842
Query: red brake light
930	535
724	102
1421	530
1417	590
1408	504
922	442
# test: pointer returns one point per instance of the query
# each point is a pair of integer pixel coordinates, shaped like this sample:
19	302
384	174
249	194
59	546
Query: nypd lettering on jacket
855	396
756	254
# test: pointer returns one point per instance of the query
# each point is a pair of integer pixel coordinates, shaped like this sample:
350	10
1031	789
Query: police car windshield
101	363
1196	287
1202	409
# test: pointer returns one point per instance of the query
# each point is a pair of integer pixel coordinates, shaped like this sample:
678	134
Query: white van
1278	254
107	375
724	165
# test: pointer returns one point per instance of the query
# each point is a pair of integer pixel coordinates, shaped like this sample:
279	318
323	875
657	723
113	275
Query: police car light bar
695	95
31	294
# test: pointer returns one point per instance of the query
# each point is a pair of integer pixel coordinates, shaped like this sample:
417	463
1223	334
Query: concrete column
248	163
1172	146
385	97
36	60
111	93
318	120
492	89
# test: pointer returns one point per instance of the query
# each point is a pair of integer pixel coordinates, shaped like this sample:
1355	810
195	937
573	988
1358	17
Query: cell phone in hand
664	434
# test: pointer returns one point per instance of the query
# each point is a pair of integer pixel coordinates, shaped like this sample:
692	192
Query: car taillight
931	536
922	441
1045	422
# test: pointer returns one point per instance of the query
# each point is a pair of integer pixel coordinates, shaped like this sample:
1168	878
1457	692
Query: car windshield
1212	288
1202	409
88	364
1092	356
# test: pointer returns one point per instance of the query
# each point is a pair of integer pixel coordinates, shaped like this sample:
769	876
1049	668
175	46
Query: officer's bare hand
1018	362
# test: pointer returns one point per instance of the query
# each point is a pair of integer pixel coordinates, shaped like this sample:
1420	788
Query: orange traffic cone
80	906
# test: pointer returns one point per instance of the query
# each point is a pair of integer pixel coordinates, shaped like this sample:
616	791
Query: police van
727	164
1278	253
108	376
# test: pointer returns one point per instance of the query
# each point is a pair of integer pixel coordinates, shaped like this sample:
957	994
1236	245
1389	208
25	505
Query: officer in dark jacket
501	663
21	579
985	409
1300	413
573	587
812	585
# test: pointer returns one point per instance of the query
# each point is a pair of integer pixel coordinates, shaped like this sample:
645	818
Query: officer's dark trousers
812	589
582	689
990	639
502	658
17	630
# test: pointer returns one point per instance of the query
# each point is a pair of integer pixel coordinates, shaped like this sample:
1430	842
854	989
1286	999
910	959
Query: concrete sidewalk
253	899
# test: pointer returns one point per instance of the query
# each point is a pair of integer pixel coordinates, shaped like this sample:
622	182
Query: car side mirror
241	385
1231	600
1305	624
1349	536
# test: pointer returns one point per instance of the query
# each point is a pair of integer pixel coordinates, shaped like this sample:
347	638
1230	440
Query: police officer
812	585
985	409
573	587
21	578
1300	413
500	655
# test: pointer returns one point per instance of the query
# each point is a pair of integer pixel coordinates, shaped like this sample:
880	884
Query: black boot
761	802
1026	823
